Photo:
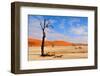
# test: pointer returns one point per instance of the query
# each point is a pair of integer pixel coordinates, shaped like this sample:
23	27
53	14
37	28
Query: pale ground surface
61	52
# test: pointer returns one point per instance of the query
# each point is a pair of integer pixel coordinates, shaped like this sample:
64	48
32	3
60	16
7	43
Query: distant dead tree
44	24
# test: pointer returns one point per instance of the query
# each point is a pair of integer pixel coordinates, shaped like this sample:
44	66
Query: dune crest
37	42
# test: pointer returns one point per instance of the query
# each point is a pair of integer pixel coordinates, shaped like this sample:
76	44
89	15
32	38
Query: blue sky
67	28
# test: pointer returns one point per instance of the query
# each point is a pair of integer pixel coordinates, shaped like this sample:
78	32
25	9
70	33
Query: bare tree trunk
42	45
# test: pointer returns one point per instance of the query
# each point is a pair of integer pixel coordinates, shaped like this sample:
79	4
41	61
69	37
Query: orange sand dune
62	43
36	42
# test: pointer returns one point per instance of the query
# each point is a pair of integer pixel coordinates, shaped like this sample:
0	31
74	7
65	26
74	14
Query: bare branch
47	25
51	26
41	25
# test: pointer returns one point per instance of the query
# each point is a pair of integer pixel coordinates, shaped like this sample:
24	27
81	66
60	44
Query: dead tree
45	24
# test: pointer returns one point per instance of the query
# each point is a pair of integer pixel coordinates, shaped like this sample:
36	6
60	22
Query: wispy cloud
73	29
79	30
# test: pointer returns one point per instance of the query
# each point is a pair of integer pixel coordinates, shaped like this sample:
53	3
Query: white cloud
82	33
36	32
56	36
81	39
80	30
52	35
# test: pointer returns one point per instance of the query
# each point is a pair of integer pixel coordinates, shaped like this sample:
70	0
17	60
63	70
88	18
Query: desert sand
60	52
